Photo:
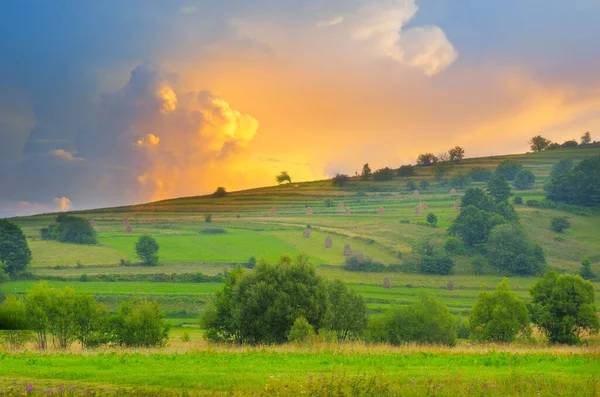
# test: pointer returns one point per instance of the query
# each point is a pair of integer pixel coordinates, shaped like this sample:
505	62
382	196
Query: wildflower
29	388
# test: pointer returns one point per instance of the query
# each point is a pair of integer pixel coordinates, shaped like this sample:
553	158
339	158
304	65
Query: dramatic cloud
63	204
65	155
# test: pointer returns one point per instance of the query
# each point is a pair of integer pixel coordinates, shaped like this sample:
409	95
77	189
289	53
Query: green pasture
296	372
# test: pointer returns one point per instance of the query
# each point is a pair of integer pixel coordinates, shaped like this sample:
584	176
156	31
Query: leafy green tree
569	144
442	169
479	199
70	229
37	306
436	264
301	331
498	188
499	316
261	307
366	172
220	192
87	315
383	174
579	185
508	168
559	224
563	306
510	251
553	146
15	254
340	180
424	185
348	311
460	180
524	180
406	170
472	225
456	154
586	138
432	218
411	185
560	167
480	174
427	159
61	317
13	320
539	143
427	321
283	177
146	248
140	323
586	271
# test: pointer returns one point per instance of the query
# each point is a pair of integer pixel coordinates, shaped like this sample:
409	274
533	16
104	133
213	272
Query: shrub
480	174
13	320
436	264
586	271
569	144
425	322
328	203
518	200
424	185
524	180
478	264
208	218
432	218
406	170
301	331
146	249
454	246
358	263
411	185
340	180
563	306
559	224
140	323
499	316
348	312
251	264
509	169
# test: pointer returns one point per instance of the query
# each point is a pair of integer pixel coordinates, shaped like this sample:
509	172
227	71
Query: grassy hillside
247	228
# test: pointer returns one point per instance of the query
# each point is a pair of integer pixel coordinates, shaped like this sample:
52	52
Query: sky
114	102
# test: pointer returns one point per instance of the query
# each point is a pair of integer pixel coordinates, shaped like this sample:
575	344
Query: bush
586	271
432	218
563	306
454	246
436	264
569	144
357	263
208	218
140	323
328	203
524	180
518	200
478	264
301	331
411	185
406	170
340	180
146	249
499	316
480	174
424	185
383	174
559	224
511	252
425	322
509	169
251	264
13	320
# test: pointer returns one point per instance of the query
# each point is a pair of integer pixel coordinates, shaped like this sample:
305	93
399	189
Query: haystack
125	221
418	209
328	242
453	191
153	221
381	211
424	205
457	205
273	211
128	229
306	233
340	206
416	193
347	250
347	211
387	283
91	222
308	211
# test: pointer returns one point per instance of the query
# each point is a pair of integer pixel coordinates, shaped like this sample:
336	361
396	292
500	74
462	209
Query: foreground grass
354	369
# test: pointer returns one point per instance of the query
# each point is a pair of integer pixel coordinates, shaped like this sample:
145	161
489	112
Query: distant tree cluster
383	174
539	144
70	229
340	180
577	185
62	316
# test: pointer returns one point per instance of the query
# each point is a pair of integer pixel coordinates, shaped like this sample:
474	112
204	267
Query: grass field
352	370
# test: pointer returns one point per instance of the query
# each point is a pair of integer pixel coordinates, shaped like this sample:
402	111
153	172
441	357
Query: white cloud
331	22
65	155
63	203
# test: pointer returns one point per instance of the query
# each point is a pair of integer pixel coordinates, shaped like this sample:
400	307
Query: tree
579	185
427	321
348	311
427	159
37	307
499	316
220	192
539	143
262	306
339	180
146	248
559	224
442	169
383	174
586	271
406	170
472	225
13	320
562	166
140	323
432	218
301	331
508	168
70	229
498	188
569	144
480	174
87	318
424	185
553	146
478	198
563	306
586	138
524	180
61	317
15	254
366	172
511	252
456	154
283	177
